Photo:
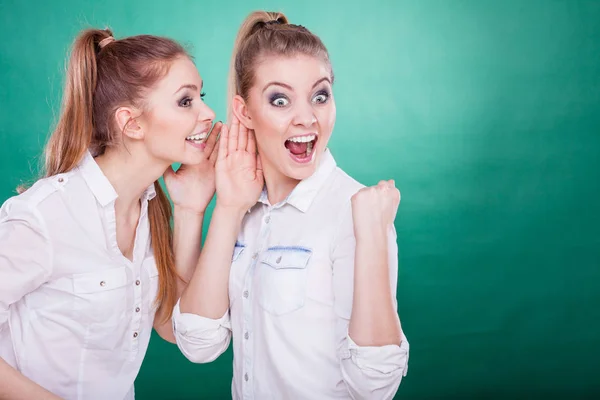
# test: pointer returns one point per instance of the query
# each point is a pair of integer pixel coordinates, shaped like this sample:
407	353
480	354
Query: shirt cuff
195	325
383	359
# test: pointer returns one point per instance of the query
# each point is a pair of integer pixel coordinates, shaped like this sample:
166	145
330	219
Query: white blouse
290	291
75	314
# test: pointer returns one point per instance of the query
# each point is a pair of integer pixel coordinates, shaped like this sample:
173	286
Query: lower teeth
309	149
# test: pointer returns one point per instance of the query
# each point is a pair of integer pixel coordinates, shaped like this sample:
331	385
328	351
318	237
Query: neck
279	186
130	174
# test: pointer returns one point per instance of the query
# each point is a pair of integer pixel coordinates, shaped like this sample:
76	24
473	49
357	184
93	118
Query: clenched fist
374	208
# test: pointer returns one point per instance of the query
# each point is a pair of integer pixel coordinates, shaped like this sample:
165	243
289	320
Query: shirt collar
100	186
305	192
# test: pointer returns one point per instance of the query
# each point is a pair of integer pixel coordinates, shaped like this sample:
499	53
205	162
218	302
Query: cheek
170	124
327	119
271	124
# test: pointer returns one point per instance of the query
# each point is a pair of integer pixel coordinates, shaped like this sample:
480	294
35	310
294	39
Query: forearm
374	321
187	239
15	386
207	293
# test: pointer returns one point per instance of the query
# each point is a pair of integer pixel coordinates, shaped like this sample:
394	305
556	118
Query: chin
300	174
301	171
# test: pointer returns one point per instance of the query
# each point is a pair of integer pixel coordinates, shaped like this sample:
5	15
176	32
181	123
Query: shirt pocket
101	296
151	270
282	277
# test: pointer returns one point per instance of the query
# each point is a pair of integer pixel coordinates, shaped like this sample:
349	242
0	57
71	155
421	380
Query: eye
279	100
185	102
321	97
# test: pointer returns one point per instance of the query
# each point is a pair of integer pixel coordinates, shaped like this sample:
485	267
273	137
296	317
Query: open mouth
302	148
197	139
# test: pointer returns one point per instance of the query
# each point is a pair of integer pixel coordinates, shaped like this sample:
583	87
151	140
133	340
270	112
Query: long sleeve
369	372
25	255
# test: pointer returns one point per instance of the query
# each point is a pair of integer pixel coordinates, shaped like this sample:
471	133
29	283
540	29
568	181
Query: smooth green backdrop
486	113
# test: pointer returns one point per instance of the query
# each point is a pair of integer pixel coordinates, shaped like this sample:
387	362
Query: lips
301	148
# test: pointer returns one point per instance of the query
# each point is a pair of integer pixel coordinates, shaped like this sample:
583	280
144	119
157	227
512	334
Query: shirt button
102	283
135	334
246	294
246	335
255	256
61	180
246	377
137	283
137	309
267	219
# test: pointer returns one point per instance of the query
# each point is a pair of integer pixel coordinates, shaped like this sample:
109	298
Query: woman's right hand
374	208
239	175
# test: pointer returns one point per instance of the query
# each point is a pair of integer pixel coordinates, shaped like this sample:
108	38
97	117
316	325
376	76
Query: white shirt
290	290
75	314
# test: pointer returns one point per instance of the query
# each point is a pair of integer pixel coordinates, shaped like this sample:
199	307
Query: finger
223	142
259	168
259	162
234	132
212	138
214	155
251	147
242	137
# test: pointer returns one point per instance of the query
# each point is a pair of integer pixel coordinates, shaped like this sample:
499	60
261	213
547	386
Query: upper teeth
303	139
198	136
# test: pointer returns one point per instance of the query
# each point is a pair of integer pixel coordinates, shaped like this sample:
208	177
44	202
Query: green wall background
486	113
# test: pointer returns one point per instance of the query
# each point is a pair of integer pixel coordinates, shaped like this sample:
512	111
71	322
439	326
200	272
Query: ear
240	110
127	123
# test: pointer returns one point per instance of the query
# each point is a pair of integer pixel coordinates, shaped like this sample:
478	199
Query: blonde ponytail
251	24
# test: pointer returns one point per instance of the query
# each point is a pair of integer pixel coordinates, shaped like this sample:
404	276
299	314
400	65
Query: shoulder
342	186
40	200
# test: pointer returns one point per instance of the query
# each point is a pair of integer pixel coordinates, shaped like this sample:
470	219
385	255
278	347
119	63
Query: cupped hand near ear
192	187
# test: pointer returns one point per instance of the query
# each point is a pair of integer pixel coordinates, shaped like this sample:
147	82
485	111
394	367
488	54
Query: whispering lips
301	147
198	137
197	140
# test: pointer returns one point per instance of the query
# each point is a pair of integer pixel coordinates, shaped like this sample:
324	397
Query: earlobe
240	110
127	123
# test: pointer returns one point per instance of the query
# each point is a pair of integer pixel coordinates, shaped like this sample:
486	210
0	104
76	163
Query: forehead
182	71
297	71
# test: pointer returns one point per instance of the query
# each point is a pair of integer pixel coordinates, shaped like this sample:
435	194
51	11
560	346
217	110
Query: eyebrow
189	86
285	85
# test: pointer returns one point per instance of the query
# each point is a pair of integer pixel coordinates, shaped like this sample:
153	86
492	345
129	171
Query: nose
206	113
305	115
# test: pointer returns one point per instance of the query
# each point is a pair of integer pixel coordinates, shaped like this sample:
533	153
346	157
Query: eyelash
277	96
325	93
189	99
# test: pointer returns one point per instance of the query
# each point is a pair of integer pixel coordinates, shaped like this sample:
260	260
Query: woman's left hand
192	187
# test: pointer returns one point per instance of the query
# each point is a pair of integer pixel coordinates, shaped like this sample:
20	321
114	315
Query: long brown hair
102	75
265	33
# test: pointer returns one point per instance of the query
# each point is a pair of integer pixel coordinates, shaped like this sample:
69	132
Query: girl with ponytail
305	281
89	263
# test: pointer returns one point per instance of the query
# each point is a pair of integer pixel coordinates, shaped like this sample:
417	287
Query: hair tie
106	41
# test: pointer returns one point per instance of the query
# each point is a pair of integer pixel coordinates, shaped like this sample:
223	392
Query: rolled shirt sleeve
201	339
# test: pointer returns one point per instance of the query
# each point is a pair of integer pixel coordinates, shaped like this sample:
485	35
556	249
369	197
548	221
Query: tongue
296	148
